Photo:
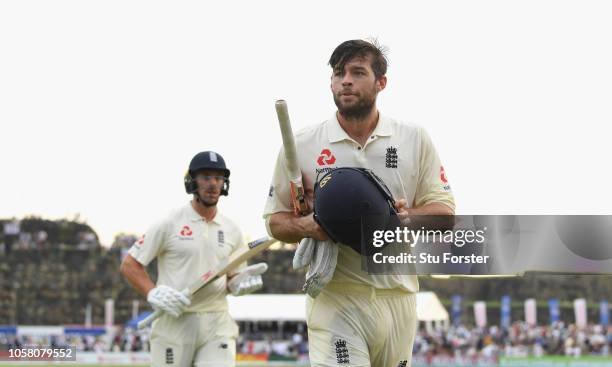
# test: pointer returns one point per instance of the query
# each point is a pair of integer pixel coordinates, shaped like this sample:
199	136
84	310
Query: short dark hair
349	50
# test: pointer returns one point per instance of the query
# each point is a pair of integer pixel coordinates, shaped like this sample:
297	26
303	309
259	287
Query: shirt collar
196	217
336	133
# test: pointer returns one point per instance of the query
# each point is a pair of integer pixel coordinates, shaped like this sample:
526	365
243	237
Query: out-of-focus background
59	287
103	104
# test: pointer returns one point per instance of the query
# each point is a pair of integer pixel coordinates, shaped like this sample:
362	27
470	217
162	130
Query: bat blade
255	247
298	196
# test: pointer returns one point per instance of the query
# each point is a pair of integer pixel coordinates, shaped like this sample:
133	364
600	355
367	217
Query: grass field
549	361
137	365
46	364
73	364
239	364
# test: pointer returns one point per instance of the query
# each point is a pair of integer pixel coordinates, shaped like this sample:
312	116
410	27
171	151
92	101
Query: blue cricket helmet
350	204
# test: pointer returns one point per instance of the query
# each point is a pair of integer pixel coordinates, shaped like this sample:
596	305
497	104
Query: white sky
103	104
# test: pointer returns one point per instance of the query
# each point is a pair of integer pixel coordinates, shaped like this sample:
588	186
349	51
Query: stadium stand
51	270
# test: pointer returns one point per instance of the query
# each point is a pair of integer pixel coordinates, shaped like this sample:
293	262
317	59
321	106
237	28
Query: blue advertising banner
555	310
604	313
456	309
505	311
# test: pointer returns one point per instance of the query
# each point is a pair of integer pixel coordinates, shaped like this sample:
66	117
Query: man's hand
312	229
403	212
247	280
431	216
321	258
290	228
168	300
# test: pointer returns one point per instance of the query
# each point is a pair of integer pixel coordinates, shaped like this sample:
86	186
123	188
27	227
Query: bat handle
149	319
300	206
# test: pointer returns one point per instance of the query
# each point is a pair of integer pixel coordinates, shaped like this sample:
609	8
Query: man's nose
347	79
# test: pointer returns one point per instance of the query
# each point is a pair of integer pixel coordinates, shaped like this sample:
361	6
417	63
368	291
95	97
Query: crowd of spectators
82	343
519	340
271	342
52	270
125	341
490	343
294	346
36	233
61	263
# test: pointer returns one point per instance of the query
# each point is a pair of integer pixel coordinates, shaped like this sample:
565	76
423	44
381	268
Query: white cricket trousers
201	339
358	325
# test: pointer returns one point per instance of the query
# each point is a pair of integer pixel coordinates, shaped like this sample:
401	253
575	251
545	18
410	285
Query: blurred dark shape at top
35	232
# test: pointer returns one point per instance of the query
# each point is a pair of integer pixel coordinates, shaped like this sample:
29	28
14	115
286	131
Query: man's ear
381	83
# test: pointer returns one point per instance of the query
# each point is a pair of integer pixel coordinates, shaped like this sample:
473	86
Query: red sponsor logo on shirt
207	275
443	175
140	241
326	157
186	231
444	180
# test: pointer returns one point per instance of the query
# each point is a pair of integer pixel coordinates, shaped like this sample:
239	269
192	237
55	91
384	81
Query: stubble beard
358	110
207	202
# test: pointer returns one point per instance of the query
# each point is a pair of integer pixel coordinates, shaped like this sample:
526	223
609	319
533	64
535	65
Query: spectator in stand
11	234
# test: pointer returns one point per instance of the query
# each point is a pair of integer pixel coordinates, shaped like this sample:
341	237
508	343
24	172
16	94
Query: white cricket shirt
401	154
186	247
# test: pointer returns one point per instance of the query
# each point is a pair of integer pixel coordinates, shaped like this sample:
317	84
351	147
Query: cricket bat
255	248
298	197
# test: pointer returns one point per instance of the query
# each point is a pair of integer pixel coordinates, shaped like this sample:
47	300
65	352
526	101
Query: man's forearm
432	216
136	275
432	209
287	227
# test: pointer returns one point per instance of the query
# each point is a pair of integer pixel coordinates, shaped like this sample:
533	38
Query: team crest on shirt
221	237
185	233
342	353
391	157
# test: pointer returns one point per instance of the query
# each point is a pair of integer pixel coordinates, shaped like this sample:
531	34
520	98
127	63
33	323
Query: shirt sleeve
150	245
432	186
279	194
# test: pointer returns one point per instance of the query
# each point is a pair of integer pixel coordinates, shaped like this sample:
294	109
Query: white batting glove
247	280
304	253
321	258
168	300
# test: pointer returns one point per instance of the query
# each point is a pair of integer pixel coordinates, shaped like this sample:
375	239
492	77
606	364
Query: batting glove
304	253
168	300
247	280
322	264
